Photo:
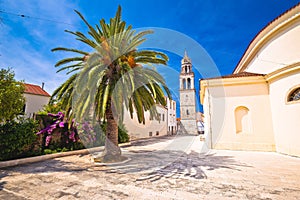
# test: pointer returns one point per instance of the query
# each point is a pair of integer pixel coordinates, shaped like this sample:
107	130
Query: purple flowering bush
73	135
68	132
87	134
76	135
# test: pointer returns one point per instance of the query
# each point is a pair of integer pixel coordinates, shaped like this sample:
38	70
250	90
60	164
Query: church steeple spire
186	59
186	75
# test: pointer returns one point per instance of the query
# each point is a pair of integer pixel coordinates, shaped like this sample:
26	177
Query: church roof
237	75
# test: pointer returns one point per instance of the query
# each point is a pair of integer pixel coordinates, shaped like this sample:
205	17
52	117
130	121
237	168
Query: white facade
35	99
34	103
172	123
253	108
151	128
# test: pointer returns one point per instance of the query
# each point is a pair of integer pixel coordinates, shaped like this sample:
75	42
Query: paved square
159	168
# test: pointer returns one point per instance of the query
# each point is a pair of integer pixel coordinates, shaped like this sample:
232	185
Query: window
150	134
157	132
242	120
163	117
187	112
184	84
294	95
188	83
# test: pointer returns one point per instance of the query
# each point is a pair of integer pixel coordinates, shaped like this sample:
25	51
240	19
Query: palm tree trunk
112	151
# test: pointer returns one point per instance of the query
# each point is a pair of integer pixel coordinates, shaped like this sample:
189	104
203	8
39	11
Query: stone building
151	128
187	92
257	107
35	99
172	123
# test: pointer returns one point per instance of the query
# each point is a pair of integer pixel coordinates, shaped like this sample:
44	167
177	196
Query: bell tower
187	97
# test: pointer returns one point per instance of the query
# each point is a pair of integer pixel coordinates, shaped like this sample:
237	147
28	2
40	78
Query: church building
188	124
258	106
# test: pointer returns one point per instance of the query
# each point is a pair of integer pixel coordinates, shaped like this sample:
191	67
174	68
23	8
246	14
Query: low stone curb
21	161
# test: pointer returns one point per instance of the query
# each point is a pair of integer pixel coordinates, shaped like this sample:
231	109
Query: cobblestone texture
165	168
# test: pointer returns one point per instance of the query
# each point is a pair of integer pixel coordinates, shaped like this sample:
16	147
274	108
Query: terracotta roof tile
238	75
35	89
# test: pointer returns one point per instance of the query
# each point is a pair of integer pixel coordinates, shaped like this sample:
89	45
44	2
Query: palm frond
70	50
67	60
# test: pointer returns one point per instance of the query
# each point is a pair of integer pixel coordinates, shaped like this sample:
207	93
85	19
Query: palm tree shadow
155	165
149	141
2	183
51	165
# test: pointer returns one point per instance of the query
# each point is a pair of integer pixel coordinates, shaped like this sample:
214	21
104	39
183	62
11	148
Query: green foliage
112	79
123	136
113	74
47	151
18	139
12	100
52	107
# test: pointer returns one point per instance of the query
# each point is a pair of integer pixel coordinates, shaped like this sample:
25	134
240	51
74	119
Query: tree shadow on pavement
149	141
51	165
2	175
145	164
155	165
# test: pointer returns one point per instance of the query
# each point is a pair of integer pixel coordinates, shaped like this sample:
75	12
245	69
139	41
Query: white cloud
26	43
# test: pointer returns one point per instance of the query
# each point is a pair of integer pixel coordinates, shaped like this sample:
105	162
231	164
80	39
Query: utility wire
36	18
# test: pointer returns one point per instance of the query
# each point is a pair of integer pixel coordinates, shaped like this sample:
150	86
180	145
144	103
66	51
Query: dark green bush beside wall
18	139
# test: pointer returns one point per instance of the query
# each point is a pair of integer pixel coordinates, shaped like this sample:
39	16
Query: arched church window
242	120
183	83
294	95
185	69
187	112
188	83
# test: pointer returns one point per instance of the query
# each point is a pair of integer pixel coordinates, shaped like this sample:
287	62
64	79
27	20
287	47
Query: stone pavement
159	168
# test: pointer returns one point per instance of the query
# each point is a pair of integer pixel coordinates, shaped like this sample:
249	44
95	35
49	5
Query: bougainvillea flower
48	139
61	124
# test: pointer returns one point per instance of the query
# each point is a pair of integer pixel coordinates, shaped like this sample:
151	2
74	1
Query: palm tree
114	77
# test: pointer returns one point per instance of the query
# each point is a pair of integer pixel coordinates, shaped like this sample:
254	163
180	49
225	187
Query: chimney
43	84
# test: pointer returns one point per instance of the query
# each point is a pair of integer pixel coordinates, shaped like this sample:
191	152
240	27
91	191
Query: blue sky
215	33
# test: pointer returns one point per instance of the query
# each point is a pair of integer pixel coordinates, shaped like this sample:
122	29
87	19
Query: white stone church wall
220	119
286	116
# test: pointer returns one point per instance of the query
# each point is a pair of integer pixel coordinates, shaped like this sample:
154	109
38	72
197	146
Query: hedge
18	139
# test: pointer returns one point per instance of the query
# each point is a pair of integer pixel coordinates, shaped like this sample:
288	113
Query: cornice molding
272	30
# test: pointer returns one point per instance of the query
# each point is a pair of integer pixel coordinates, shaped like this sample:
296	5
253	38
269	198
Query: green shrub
47	151
122	133
64	150
18	139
